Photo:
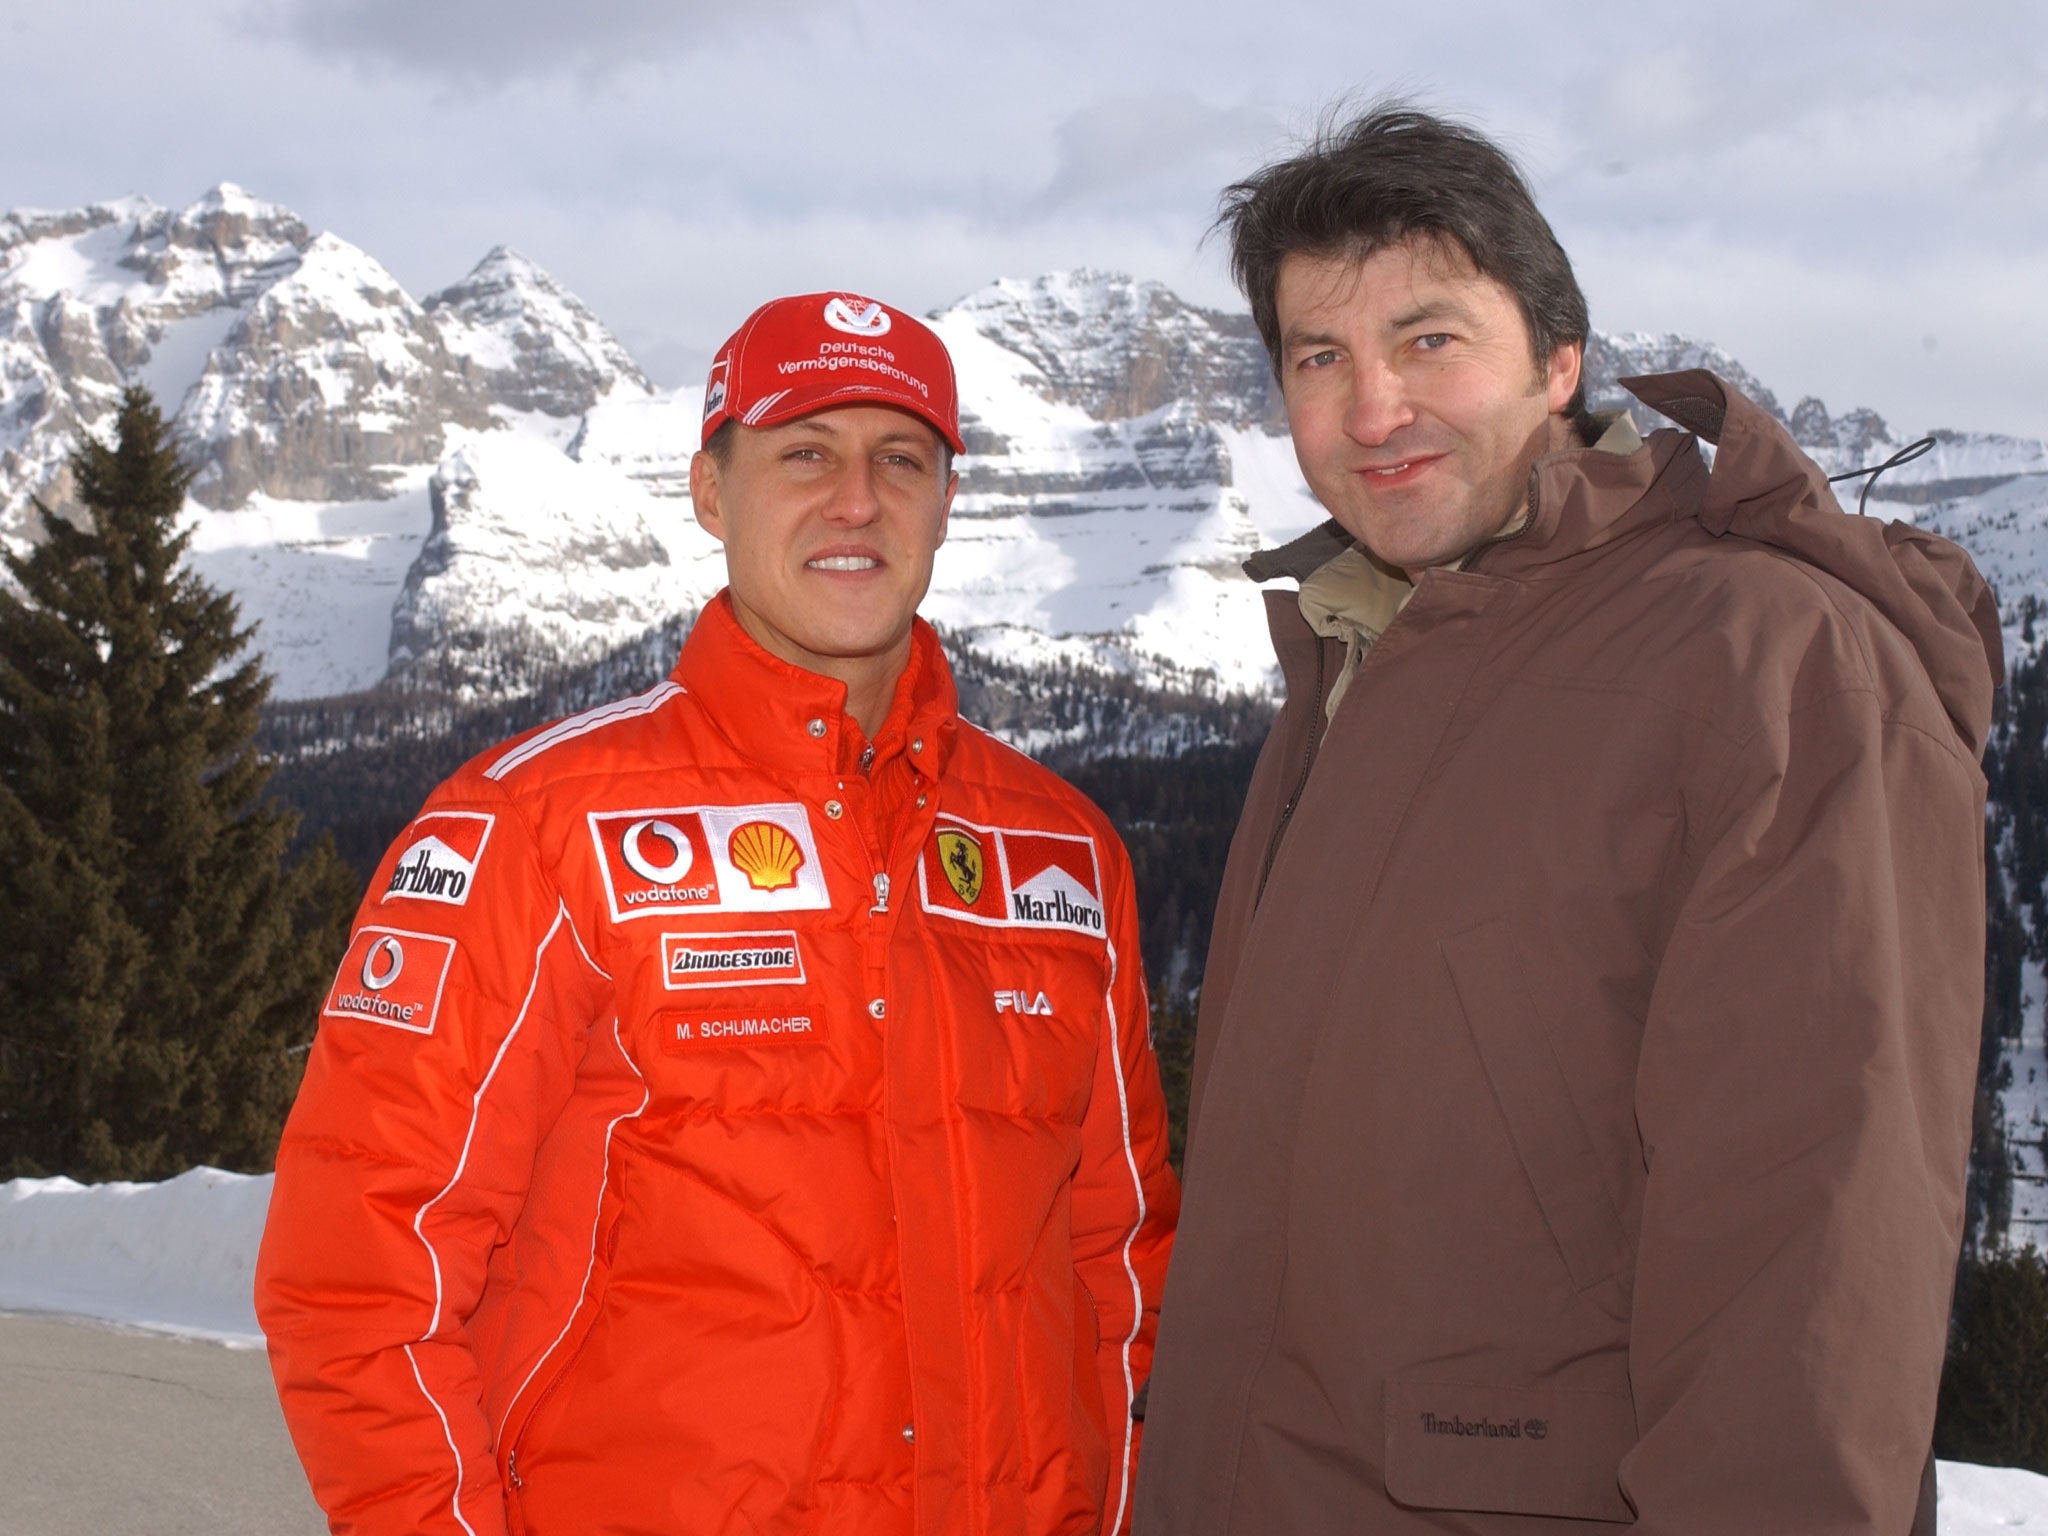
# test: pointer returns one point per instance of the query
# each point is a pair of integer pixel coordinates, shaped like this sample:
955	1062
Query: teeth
843	563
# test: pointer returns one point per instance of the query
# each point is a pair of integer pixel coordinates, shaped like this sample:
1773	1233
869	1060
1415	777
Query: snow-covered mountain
463	487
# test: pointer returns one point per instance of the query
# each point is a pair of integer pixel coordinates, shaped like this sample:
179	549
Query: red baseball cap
817	350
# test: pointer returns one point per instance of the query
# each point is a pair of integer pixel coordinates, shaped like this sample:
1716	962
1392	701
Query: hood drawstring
1905	455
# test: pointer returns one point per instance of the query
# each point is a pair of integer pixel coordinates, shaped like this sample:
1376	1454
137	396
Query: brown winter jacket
1587	1046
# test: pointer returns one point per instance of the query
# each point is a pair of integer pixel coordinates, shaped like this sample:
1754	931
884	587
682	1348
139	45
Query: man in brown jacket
1587	1046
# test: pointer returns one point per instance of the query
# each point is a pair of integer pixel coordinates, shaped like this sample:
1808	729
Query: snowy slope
467	488
180	1257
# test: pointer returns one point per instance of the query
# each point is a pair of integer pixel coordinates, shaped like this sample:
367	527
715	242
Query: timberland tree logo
1006	877
1485	1428
707	858
391	976
439	864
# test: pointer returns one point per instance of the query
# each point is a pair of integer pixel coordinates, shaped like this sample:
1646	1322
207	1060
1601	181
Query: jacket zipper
1308	761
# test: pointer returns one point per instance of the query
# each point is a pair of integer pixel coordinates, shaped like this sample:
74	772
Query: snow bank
176	1257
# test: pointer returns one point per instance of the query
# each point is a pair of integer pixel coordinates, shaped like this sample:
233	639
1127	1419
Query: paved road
105	1432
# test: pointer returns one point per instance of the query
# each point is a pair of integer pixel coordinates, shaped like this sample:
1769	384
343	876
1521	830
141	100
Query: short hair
1390	173
719	446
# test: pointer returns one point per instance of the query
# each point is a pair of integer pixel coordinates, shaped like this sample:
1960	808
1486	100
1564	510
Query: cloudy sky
1851	197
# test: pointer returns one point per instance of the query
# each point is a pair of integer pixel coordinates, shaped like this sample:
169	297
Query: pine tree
161	960
1994	1387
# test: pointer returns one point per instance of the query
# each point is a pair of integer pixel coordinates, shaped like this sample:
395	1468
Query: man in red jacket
734	1111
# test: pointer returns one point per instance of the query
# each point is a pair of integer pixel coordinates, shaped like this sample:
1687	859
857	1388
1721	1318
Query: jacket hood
1763	488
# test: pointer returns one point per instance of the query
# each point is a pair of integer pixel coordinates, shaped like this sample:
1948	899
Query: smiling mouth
1396	471
843	563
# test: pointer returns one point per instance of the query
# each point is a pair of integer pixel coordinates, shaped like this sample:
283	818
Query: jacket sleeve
446	1046
1125	1197
1804	1098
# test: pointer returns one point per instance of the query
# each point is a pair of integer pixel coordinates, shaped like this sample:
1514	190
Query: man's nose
1379	405
854	499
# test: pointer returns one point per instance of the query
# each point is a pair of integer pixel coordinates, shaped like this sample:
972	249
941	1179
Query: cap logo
714	392
870	319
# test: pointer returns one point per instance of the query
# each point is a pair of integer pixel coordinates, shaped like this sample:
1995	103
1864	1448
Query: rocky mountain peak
528	343
333	379
1118	347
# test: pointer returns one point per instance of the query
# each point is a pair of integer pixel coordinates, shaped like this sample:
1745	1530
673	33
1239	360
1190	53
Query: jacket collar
793	721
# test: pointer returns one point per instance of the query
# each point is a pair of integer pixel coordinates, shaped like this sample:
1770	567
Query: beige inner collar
1353	598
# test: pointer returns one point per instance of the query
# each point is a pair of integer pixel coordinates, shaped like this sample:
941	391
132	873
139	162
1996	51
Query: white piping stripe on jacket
596	1214
476	1106
455	1502
582	725
1123	1109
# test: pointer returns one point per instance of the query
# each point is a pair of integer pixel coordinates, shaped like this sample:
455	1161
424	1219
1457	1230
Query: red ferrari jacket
722	1122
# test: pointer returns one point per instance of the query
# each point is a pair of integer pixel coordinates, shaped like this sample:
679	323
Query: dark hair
1390	173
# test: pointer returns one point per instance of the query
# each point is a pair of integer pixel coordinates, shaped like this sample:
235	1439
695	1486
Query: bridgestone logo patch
391	976
440	857
693	960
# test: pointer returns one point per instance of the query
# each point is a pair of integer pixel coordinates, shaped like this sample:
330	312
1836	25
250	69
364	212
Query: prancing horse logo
960	857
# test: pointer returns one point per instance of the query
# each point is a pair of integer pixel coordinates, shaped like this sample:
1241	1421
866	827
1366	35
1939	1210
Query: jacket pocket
1507	1449
1556	1154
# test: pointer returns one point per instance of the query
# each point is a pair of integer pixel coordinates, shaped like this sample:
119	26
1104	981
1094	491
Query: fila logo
856	316
439	864
1024	1002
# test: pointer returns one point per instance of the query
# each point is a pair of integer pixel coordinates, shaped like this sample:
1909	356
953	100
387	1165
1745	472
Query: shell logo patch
439	864
961	858
391	976
1040	879
707	858
766	854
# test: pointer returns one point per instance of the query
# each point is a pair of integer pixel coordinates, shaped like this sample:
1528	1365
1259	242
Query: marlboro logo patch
390	976
439	862
708	858
693	960
1008	878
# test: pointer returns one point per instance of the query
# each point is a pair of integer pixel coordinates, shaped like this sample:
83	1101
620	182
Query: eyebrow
1433	309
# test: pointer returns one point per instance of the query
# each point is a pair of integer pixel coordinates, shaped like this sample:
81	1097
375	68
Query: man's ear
704	494
1561	381
946	506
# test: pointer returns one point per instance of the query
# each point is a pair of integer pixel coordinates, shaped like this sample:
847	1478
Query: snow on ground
179	1257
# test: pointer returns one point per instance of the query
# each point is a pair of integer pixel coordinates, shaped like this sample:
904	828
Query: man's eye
1434	341
1322	359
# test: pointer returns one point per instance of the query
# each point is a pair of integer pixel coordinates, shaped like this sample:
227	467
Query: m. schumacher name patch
1003	877
708	858
685	1033
693	960
390	976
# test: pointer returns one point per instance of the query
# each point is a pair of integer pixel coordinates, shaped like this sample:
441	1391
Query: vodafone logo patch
856	316
439	863
391	976
698	858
